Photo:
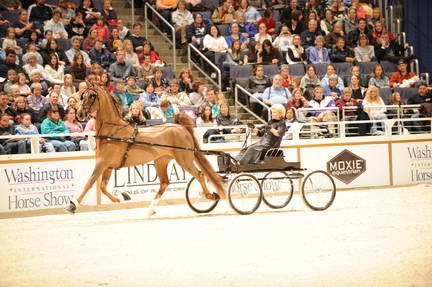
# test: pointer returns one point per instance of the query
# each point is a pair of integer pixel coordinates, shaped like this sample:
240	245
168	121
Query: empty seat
389	67
385	94
367	67
240	71
343	69
11	16
64	44
223	29
297	70
271	70
168	73
321	69
406	93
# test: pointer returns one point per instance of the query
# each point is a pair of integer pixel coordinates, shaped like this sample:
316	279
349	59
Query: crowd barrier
42	181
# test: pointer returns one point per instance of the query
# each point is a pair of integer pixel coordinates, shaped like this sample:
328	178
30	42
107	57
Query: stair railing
203	57
237	103
171	41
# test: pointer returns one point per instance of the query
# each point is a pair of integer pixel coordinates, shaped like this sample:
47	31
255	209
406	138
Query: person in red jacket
269	21
397	78
155	59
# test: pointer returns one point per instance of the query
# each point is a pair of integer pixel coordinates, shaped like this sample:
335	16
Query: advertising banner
412	162
43	185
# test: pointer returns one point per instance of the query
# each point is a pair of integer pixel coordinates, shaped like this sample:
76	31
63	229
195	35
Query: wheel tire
290	192
191	203
332	186
231	201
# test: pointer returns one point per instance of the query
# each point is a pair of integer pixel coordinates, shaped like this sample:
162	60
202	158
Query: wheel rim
245	194
318	190
196	199
277	189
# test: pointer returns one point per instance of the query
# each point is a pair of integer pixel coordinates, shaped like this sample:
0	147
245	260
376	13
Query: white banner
43	185
412	162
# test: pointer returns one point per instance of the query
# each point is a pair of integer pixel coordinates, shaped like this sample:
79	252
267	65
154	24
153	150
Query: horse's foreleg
161	170
104	182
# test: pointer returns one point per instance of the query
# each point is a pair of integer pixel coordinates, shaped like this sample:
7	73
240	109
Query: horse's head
89	102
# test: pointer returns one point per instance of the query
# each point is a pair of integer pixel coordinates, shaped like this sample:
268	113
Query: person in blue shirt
122	95
275	94
331	90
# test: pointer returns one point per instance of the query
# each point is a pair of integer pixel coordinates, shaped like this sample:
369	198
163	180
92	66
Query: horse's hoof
216	196
71	208
125	196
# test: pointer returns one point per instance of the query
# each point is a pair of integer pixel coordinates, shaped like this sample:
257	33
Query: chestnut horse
121	152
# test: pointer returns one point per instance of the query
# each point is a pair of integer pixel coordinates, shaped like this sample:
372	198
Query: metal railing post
133	11
217	70
145	22
235	101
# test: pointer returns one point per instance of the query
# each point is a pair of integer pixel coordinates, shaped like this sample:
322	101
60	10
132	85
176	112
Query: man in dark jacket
308	36
340	53
40	13
386	50
354	35
424	95
100	55
9	64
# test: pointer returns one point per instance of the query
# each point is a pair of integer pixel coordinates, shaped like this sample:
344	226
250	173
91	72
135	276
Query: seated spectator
356	88
342	54
296	53
23	28
225	119
403	78
386	50
145	70
336	33
81	88
269	21
76	44
364	52
331	90
67	90
36	77
135	115
90	41
310	80
54	71
213	101
8	146
234	56
27	128
198	96
354	36
130	55
10	5
155	59
12	79
337	8
318	53
78	68
31	51
66	10
96	72
268	54
236	35
213	43
24	89
54	125
262	35
10	43
52	47
284	40
32	64
90	13
297	100
379	78
158	81
57	27
132	87
91	124
106	82
350	21
168	110
331	70
424	95
100	55
346	100
206	119
377	16
123	31
250	13
72	102
288	11
182	18
121	69
9	64
197	30
186	80
39	14
295	24
166	8
288	80
377	32
314	6
74	126
327	23
5	108
258	82
374	106
223	14
36	101
52	105
149	98
125	99
109	14
308	36
360	10
175	96
48	36
77	26
275	94
101	29
319	102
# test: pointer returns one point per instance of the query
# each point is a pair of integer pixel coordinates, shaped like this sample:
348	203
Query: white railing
201	69
257	100
172	41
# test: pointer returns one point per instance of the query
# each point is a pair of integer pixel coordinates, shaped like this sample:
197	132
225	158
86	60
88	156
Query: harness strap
130	143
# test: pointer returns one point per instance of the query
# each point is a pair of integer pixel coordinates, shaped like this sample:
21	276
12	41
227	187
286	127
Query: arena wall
46	182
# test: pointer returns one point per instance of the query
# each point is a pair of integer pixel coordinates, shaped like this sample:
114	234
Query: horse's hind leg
104	183
161	170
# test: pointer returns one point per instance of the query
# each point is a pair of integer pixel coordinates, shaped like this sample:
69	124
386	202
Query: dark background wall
418	28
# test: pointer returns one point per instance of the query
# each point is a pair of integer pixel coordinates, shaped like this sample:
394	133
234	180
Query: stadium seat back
367	67
64	44
223	29
389	67
297	70
271	70
168	73
406	93
343	69
385	94
321	69
240	71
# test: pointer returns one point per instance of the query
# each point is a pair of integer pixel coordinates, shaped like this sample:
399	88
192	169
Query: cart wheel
195	198
318	190
244	194
277	189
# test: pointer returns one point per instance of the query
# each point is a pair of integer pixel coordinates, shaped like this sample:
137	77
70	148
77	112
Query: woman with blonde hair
135	115
68	89
374	106
130	54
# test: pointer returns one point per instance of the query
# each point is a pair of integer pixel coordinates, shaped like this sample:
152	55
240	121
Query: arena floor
367	238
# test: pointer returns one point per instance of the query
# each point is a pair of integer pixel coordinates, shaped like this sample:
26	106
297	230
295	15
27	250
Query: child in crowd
27	128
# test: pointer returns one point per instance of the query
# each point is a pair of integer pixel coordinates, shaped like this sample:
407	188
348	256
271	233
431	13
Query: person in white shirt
213	43
56	25
284	40
181	19
76	45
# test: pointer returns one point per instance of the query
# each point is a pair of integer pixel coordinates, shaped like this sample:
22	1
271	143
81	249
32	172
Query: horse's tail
185	120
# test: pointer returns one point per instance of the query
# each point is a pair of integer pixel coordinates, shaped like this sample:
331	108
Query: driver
272	134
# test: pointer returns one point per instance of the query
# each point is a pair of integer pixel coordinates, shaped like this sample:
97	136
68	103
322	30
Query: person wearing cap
402	77
286	77
122	95
272	134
